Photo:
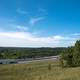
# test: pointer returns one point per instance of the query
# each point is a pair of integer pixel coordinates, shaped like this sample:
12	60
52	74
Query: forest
23	53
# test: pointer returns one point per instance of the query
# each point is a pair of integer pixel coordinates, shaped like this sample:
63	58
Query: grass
39	70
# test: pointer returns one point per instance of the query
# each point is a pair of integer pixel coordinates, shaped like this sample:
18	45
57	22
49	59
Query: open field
39	70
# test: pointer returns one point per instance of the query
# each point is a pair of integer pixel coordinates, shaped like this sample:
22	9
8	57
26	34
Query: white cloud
15	27
20	37
21	11
42	10
35	20
76	34
21	28
27	39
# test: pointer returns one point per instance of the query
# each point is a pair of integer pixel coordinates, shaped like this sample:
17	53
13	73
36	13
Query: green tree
76	55
67	56
72	55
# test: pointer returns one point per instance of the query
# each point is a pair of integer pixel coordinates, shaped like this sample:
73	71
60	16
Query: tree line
23	53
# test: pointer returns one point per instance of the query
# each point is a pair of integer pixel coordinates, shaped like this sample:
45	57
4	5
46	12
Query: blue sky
39	23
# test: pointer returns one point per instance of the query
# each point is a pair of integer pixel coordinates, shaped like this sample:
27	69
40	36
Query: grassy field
39	70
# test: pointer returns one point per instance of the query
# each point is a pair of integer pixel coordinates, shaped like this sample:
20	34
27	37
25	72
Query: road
40	59
27	60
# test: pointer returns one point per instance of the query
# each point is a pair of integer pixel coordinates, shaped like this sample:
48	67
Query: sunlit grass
41	70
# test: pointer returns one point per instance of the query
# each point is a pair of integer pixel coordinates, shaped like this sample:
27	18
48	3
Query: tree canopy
22	53
72	55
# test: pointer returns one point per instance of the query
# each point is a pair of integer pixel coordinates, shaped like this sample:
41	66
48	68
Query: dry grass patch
39	70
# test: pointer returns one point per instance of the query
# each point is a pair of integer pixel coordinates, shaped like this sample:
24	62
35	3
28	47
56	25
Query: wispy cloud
16	35
21	28
76	34
21	11
15	27
35	20
42	10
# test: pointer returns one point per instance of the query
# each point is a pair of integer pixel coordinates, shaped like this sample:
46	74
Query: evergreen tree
76	55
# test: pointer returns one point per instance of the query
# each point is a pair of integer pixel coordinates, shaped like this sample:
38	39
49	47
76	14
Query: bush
71	55
49	66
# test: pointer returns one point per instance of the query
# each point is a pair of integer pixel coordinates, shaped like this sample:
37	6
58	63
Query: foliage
72	55
49	66
22	53
76	55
